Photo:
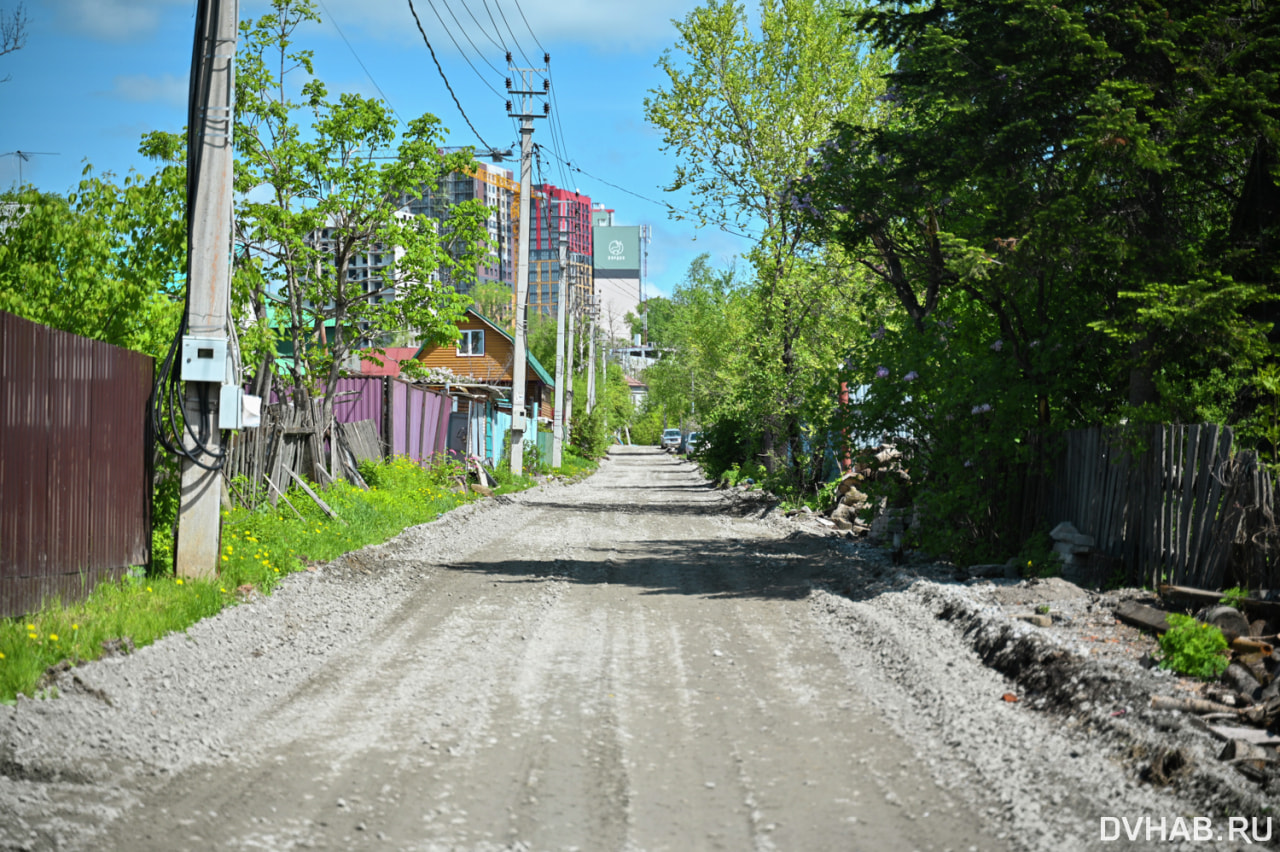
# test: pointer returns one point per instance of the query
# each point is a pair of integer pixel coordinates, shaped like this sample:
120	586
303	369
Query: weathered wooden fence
75	454
374	417
1172	503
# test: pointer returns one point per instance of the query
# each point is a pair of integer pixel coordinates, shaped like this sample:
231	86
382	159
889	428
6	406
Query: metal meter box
237	409
230	411
204	359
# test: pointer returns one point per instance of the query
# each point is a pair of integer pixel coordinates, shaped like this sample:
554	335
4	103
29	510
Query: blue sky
97	74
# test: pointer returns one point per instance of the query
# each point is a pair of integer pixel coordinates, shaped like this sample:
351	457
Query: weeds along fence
373	417
1170	503
75	464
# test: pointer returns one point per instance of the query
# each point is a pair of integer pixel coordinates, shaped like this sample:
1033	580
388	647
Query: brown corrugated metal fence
75	484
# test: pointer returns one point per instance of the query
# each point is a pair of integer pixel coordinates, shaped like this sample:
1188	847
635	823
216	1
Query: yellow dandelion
75	627
148	588
33	636
1	655
224	559
31	627
53	637
179	581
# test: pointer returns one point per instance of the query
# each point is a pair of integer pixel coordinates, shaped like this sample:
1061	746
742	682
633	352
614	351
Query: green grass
259	548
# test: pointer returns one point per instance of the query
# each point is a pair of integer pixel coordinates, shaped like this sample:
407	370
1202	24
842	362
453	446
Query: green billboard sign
617	248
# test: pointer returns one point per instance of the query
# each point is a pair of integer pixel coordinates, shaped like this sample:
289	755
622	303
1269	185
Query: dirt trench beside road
632	662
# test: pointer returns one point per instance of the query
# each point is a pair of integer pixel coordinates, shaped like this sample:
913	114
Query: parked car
671	439
691	443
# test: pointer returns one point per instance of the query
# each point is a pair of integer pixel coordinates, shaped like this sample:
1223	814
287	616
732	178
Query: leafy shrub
1037	557
1192	648
588	433
1234	596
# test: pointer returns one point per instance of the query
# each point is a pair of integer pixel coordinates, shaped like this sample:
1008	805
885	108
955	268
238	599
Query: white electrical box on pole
204	364
557	429
526	95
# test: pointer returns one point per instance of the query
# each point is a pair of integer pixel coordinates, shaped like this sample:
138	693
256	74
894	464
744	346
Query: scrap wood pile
1243	707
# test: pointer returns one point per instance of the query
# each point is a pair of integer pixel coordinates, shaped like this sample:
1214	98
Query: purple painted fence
419	421
413	421
359	398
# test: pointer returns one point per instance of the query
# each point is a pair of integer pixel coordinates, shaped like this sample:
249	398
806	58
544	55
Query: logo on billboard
617	250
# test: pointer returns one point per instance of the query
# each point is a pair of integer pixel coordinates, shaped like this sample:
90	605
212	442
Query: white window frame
472	338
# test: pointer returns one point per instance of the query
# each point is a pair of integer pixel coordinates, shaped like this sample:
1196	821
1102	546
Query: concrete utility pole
591	359
571	309
526	94
604	344
204	348
557	430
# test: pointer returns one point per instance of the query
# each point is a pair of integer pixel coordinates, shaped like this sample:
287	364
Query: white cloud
112	20
604	27
145	88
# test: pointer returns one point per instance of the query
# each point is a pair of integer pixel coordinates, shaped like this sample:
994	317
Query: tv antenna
25	156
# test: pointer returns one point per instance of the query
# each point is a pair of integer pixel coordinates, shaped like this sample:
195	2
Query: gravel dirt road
632	662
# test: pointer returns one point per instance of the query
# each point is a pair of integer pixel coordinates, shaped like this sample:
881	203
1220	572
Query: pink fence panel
359	398
419	421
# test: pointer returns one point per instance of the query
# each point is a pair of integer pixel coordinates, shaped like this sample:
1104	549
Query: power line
503	15
480	26
360	61
722	224
529	28
462	52
555	109
467	36
456	102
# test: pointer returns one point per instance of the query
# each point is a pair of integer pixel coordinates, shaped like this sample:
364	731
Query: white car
671	439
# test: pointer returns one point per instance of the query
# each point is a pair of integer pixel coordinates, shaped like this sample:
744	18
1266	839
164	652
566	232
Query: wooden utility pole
557	429
204	360
526	94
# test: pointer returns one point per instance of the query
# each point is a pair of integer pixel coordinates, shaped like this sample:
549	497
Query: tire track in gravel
626	663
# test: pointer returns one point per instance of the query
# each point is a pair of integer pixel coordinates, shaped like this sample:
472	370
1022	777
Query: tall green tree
1057	202
743	107
105	262
494	301
312	200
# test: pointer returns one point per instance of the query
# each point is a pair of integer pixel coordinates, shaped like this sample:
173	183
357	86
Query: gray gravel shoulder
930	660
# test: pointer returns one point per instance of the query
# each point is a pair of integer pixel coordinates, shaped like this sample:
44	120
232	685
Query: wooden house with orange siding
485	353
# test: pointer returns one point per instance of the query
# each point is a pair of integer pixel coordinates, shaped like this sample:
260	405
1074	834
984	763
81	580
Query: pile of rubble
873	466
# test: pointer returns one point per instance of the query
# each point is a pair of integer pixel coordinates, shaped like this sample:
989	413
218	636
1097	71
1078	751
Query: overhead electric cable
467	36
722	224
360	61
462	52
529	28
516	41
497	29
456	102
480	27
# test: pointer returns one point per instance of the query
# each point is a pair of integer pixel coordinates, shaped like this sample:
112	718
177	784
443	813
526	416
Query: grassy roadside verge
259	548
